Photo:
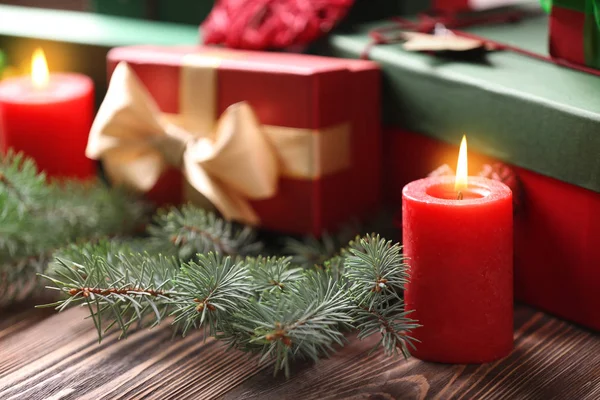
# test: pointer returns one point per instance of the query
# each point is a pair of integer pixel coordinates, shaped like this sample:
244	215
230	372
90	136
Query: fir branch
304	322
115	284
375	268
311	252
272	274
392	322
377	274
21	185
209	289
196	231
31	209
262	305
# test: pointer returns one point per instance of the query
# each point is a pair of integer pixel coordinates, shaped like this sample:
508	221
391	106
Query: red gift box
303	93
575	32
557	227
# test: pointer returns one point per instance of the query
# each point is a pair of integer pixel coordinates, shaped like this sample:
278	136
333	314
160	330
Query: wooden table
44	355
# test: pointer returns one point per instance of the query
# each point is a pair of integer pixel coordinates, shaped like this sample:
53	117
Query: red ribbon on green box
590	32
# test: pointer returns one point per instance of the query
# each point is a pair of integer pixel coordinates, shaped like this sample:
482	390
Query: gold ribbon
230	161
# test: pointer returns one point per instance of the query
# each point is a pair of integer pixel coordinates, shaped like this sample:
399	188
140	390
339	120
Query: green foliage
376	270
194	230
209	290
115	284
269	306
197	269
272	274
37	217
304	322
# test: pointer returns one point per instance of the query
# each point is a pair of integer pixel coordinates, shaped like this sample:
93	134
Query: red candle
458	235
48	117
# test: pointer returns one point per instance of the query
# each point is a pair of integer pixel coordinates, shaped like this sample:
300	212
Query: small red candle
458	235
48	117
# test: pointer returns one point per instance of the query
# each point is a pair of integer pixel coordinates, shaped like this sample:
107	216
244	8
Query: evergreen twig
262	305
38	217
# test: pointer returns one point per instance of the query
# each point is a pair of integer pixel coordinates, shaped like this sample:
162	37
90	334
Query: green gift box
524	111
542	118
373	10
123	8
183	11
180	11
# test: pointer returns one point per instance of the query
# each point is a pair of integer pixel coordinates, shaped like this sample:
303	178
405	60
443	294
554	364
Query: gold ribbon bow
228	163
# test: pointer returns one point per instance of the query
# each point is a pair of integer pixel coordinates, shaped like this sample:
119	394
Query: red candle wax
50	123
461	258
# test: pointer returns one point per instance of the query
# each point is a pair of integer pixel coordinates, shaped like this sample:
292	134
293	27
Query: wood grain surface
56	356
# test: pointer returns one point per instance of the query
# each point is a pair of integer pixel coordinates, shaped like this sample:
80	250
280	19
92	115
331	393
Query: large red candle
48	117
461	257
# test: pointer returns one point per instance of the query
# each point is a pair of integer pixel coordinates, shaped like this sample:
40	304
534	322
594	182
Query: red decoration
285	90
49	124
568	29
556	229
461	260
505	174
271	24
451	6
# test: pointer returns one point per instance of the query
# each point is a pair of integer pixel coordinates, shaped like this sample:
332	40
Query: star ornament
442	39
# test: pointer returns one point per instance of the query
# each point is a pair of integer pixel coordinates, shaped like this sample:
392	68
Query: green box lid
123	8
91	29
527	112
184	11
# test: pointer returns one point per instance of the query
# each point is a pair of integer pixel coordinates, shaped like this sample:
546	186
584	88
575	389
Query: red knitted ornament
271	24
505	174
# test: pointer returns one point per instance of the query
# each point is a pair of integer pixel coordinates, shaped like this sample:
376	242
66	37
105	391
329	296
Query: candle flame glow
462	173
39	69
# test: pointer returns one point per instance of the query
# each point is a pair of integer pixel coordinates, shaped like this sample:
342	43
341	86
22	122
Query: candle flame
462	173
39	69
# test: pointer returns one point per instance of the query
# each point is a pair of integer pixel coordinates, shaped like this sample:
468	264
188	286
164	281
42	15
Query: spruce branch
196	231
267	306
376	273
272	274
311	252
376	269
392	322
115	284
38	217
305	322
209	289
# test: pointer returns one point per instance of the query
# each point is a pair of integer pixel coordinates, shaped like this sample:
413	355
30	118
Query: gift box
123	8
289	142
557	226
575	31
541	118
180	11
183	11
373	10
453	6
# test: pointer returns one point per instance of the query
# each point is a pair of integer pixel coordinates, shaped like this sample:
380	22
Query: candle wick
460	196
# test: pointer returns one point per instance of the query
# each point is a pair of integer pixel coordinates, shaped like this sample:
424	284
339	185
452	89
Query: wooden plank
59	358
551	360
19	317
